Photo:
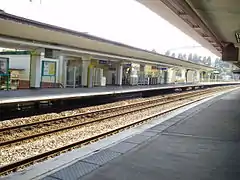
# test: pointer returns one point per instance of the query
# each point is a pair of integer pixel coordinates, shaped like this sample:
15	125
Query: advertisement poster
49	68
3	65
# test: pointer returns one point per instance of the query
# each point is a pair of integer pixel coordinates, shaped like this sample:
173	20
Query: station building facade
67	71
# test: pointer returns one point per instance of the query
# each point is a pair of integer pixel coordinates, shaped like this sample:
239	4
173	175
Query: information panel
3	66
49	68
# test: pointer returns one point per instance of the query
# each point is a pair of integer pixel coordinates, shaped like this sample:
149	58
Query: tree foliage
173	55
190	57
180	56
184	56
167	53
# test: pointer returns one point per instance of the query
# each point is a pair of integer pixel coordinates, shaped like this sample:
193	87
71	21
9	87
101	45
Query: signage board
49	68
51	53
127	65
48	53
164	69
102	62
3	65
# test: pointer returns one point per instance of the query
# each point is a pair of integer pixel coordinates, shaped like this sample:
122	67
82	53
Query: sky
125	21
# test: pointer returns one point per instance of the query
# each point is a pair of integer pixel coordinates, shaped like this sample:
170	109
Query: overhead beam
78	51
184	10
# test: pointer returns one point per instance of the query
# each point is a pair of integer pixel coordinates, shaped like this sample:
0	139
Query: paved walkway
26	95
201	144
64	93
53	91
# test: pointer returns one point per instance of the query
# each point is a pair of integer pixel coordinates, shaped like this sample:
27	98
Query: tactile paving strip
74	171
101	157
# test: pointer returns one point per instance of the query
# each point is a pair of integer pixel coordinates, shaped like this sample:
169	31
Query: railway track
4	127
105	114
14	134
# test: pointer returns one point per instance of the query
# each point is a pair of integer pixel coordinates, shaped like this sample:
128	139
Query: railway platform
30	95
198	142
201	143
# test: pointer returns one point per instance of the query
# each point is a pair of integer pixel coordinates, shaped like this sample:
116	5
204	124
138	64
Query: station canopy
21	33
213	23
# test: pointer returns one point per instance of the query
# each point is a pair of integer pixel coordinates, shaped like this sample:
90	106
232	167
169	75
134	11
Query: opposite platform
202	143
20	96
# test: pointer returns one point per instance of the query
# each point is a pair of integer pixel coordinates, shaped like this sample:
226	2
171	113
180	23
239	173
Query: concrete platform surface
201	143
15	96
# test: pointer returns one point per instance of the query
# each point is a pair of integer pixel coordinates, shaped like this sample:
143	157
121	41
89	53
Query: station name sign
103	62
164	69
159	68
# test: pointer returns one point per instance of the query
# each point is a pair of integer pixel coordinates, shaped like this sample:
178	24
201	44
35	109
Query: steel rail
8	142
97	111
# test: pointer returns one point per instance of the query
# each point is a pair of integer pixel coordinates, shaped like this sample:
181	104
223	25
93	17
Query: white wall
23	62
171	76
190	76
20	62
